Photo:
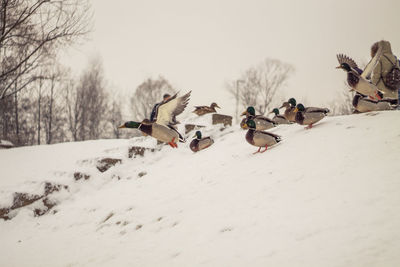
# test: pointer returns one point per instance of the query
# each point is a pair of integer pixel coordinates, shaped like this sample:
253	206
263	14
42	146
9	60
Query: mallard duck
162	127
201	110
163	133
364	104
289	113
262	123
359	82
279	119
260	138
200	143
165	112
310	115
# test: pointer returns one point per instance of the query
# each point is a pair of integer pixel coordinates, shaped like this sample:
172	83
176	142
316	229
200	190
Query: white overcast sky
199	45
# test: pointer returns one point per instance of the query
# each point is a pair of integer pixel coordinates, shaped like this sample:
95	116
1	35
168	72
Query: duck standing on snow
290	106
309	116
262	123
200	143
359	82
260	138
162	129
364	104
279	119
201	110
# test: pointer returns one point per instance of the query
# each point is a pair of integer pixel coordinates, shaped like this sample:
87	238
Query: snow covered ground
329	196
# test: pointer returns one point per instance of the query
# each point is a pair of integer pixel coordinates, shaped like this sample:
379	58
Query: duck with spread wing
162	127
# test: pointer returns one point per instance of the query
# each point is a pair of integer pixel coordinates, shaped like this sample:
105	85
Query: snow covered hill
329	196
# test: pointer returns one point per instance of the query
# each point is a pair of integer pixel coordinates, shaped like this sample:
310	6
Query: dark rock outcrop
221	119
106	163
78	176
138	151
25	199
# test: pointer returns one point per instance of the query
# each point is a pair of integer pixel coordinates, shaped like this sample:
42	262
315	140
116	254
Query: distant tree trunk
16	117
39	113
50	115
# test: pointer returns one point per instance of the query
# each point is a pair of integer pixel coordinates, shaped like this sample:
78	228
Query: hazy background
200	45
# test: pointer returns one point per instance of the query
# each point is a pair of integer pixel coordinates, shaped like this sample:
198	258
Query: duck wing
342	58
200	107
260	117
316	110
261	135
372	64
171	108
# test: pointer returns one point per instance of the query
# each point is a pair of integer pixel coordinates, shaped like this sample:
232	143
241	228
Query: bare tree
115	118
33	30
87	104
147	94
54	111
260	84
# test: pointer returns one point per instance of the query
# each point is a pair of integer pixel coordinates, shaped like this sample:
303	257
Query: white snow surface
329	196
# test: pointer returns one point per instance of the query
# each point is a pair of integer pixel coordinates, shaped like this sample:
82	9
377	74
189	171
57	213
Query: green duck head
130	124
251	124
249	111
299	107
197	135
344	66
292	102
276	111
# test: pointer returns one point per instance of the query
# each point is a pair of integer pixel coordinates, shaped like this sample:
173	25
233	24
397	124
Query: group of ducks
257	124
163	129
368	97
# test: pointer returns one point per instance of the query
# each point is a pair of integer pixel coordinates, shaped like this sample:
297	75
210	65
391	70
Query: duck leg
266	147
172	143
378	96
257	150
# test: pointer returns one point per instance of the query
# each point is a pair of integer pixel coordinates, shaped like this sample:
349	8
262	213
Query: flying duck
166	112
162	128
360	82
163	133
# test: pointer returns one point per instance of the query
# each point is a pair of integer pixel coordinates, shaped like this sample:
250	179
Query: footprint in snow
226	229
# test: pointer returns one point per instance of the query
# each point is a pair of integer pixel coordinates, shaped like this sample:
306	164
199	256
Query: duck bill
217	106
295	110
339	67
283	105
244	113
122	126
